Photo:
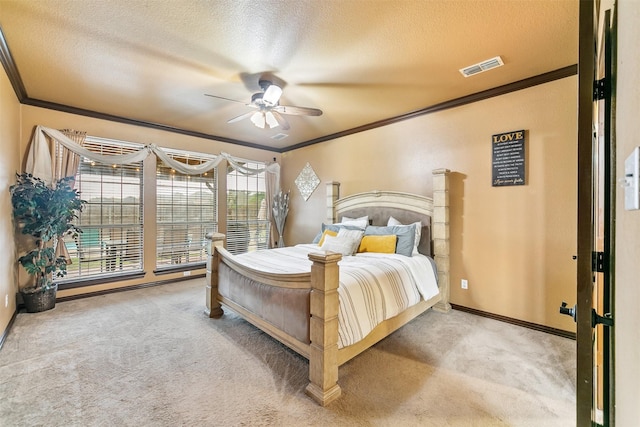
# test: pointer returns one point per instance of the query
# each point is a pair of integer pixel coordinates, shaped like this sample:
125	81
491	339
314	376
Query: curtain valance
39	158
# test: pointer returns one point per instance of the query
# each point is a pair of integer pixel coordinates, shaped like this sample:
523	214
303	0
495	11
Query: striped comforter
373	287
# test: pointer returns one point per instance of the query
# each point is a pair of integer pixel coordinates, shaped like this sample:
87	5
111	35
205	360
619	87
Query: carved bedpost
213	309
323	352
333	194
440	234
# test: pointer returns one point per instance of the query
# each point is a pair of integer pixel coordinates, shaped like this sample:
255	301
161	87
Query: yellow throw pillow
327	232
385	244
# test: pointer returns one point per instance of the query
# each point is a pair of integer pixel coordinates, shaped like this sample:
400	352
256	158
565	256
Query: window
116	229
111	221
247	224
186	212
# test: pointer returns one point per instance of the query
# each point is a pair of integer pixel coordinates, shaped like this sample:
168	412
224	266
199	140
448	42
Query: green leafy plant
45	213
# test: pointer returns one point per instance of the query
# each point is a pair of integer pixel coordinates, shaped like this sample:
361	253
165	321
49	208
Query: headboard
433	212
380	205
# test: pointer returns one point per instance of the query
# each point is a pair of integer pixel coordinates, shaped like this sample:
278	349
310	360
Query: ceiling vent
279	136
482	66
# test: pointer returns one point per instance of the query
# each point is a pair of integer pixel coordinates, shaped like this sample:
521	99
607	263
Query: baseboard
129	288
535	326
5	333
529	325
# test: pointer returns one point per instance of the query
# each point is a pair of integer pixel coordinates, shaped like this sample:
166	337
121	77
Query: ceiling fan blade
241	117
284	124
226	99
297	111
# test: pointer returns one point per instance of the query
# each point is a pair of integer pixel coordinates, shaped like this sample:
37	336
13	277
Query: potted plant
45	213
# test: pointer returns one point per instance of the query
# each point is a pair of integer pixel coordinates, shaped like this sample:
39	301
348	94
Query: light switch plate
631	180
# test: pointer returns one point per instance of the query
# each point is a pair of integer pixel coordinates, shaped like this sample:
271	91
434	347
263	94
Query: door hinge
597	262
599	89
596	319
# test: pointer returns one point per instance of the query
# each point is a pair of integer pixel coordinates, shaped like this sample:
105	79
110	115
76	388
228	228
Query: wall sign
508	158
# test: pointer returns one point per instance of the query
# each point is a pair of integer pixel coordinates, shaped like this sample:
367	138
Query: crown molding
18	86
119	119
560	73
10	68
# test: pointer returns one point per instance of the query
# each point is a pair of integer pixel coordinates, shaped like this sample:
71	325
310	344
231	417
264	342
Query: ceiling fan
269	111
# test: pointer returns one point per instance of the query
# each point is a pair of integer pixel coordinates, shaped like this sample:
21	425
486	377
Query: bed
301	307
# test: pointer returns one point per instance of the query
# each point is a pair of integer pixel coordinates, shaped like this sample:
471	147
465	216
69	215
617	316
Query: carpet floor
150	357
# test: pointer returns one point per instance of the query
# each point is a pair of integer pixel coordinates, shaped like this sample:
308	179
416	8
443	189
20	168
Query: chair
181	246
132	249
90	251
176	243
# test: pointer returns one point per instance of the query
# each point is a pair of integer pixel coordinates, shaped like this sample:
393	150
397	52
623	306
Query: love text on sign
508	158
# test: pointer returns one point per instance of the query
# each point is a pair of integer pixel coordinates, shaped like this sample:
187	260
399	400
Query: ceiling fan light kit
272	95
271	119
259	118
270	112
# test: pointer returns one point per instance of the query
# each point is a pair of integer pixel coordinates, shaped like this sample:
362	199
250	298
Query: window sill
179	268
100	280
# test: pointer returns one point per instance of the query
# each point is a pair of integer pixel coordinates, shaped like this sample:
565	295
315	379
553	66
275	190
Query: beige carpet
151	358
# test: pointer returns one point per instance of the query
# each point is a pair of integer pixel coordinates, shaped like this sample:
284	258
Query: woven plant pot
35	302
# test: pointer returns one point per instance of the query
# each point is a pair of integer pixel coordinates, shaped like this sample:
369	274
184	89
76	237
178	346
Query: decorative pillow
416	242
405	233
361	222
343	245
353	236
380	244
335	227
326	233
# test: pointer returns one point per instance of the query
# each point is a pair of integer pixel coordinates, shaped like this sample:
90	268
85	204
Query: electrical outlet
186	273
464	284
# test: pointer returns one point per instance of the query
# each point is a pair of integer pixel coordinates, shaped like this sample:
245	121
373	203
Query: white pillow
361	222
353	236
336	244
418	224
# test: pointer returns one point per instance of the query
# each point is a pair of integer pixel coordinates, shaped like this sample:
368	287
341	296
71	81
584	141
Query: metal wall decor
307	181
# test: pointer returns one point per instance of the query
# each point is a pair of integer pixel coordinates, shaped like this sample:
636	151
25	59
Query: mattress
373	287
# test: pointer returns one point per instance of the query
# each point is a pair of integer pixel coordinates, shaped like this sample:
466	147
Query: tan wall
33	116
627	289
9	137
513	244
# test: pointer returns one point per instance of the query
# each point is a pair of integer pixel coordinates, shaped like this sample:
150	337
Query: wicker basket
35	302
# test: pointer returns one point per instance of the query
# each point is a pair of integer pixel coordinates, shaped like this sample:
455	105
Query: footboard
319	288
301	310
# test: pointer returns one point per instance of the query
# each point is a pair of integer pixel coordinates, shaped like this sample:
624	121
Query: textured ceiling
359	61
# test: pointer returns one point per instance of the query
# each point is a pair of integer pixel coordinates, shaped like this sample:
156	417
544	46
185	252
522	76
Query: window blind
247	223
186	212
111	221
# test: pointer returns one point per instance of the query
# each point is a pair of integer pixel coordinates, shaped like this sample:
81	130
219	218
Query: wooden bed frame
321	283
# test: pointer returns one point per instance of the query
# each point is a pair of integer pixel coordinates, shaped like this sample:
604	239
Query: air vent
482	66
279	136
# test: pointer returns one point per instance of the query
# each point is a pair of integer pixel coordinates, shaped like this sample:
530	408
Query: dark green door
596	192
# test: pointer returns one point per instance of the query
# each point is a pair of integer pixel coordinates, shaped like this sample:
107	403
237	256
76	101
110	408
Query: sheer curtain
65	163
272	181
39	162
